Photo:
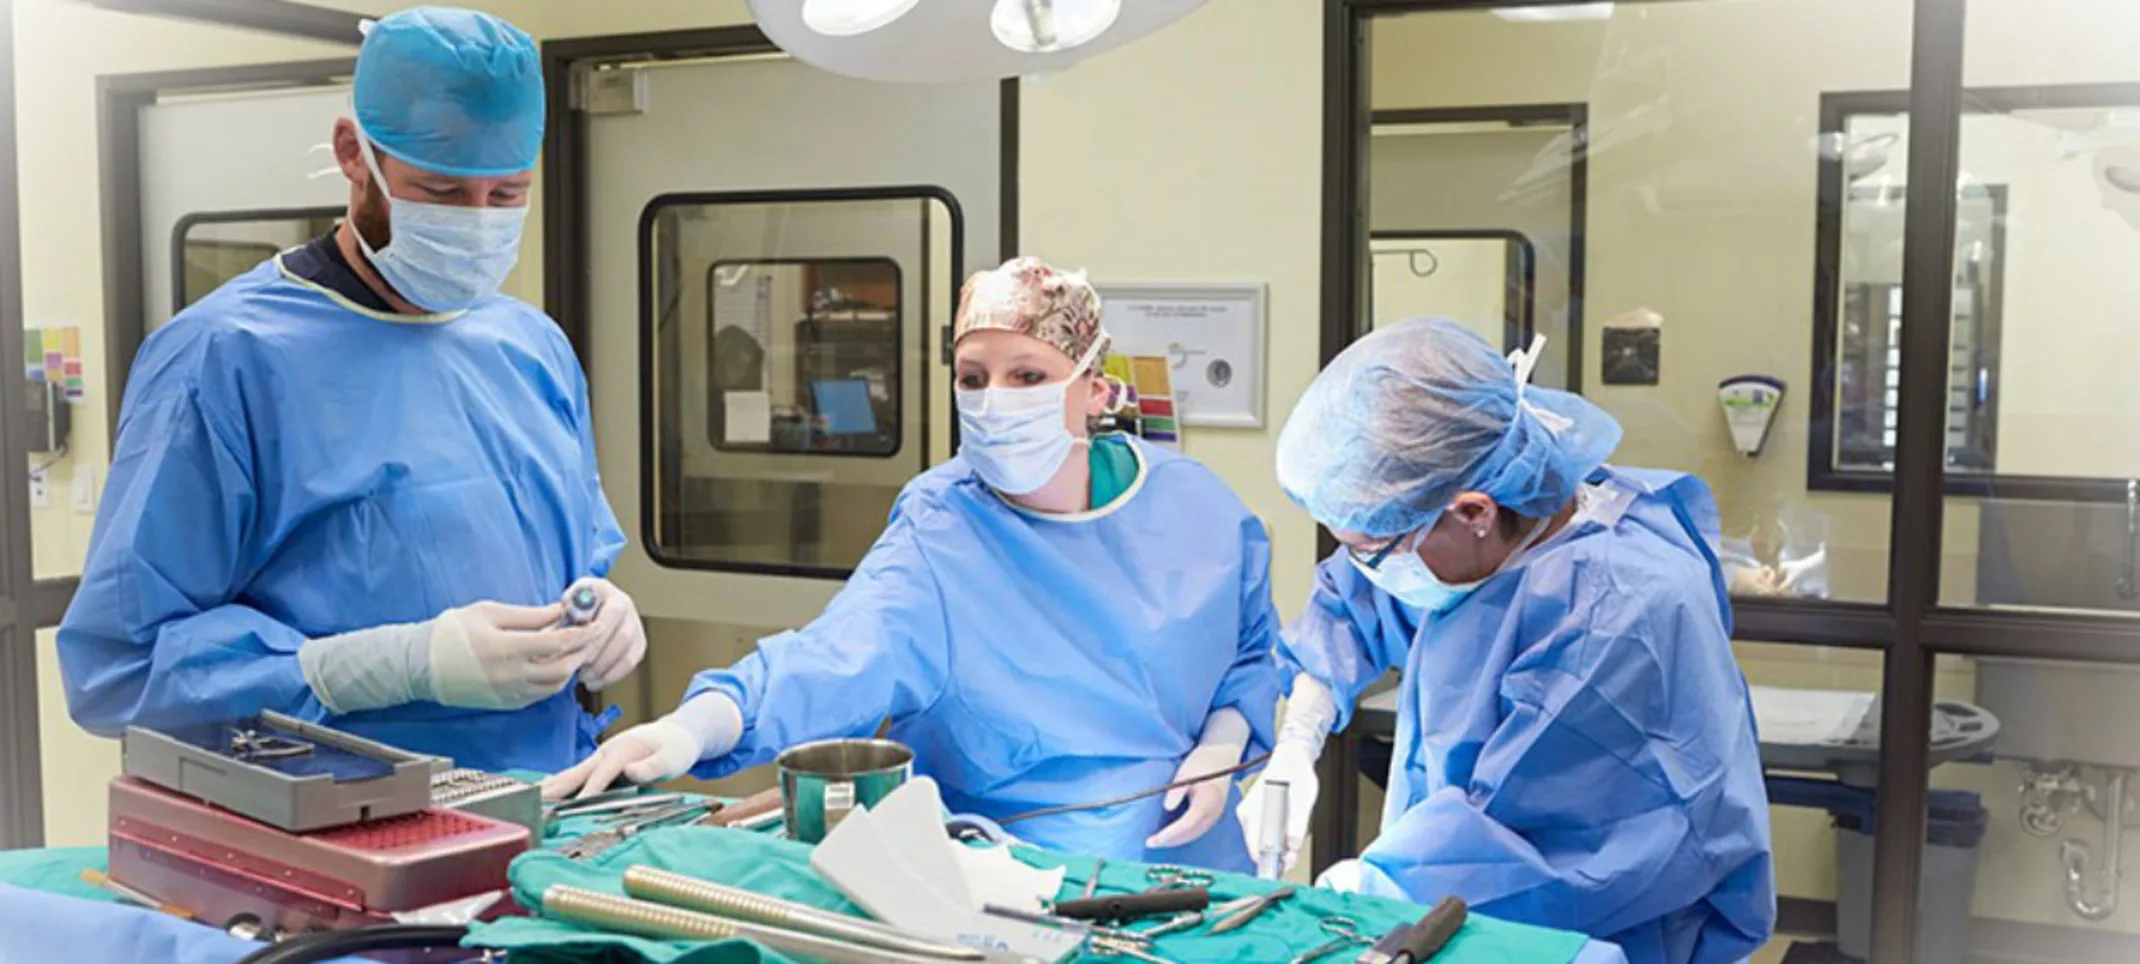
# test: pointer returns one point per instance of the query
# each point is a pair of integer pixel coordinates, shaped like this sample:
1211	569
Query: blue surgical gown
289	468
1034	661
1575	744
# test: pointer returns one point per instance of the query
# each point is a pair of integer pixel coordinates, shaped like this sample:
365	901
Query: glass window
1863	159
836	324
214	248
786	344
1662	162
1475	217
1484	279
2052	115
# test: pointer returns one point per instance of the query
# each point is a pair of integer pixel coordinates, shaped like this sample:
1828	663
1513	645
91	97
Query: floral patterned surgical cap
1027	296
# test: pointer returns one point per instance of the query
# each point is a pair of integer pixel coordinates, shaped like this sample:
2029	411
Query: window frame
1822	474
190	221
1982	425
1518	321
649	335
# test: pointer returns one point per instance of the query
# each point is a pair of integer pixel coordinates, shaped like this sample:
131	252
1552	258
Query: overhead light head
846	18
950	41
1046	26
1559	13
2117	181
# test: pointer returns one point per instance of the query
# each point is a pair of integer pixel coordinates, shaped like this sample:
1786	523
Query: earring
1481	533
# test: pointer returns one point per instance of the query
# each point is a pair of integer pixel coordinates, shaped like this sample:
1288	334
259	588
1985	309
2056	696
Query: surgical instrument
98	878
1124	907
1271	836
1248	909
568	811
581	604
656	814
602	841
1172	877
1417	943
1064	924
646	919
690	893
1092	886
1185	921
1345	931
1108	948
1133	797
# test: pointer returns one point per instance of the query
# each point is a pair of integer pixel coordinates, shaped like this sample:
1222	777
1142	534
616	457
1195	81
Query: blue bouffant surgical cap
451	91
1413	415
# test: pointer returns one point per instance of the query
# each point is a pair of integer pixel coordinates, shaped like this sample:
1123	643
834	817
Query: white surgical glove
708	725
619	636
1310	713
1225	735
486	656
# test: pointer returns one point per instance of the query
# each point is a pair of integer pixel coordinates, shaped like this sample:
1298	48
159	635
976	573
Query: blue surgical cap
451	91
1414	415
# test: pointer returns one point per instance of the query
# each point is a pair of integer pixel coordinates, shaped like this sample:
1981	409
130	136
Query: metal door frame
22	816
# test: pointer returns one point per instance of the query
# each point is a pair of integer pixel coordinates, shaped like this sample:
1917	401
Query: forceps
1347	933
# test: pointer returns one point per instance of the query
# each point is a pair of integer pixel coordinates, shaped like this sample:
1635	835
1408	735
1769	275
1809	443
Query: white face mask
1015	438
442	257
1405	576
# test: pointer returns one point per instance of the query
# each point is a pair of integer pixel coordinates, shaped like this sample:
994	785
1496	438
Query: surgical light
846	18
957	41
1046	26
1562	13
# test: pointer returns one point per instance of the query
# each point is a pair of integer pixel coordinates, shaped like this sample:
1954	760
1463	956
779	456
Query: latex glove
491	656
1311	711
1225	735
488	655
1345	877
709	725
619	636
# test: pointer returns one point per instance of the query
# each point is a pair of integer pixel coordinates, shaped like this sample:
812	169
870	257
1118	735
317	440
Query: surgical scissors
1347	933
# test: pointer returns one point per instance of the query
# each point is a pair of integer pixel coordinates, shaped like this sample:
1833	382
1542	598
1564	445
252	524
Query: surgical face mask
442	257
1015	438
1405	576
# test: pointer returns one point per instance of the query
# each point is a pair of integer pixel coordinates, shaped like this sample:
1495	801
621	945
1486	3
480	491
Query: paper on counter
1006	881
749	419
911	821
859	862
1809	717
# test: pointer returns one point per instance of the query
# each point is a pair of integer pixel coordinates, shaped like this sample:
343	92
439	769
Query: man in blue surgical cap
1575	745
352	484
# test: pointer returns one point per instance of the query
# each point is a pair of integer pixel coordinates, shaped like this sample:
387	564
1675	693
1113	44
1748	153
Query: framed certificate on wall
1212	337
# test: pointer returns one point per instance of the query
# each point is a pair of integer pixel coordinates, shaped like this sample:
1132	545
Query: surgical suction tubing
691	893
1134	797
645	919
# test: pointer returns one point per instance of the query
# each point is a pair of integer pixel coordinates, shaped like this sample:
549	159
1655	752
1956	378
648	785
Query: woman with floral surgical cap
1050	617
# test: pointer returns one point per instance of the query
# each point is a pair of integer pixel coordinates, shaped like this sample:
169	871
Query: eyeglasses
1373	560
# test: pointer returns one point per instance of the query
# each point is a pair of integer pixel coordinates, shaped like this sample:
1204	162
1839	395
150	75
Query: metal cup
821	783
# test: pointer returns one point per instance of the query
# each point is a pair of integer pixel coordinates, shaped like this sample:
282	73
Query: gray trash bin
1953	836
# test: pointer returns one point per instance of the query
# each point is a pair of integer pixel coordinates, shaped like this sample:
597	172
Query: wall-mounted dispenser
49	417
1750	403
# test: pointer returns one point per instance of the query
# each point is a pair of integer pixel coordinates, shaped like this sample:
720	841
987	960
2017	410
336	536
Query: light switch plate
40	488
85	489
